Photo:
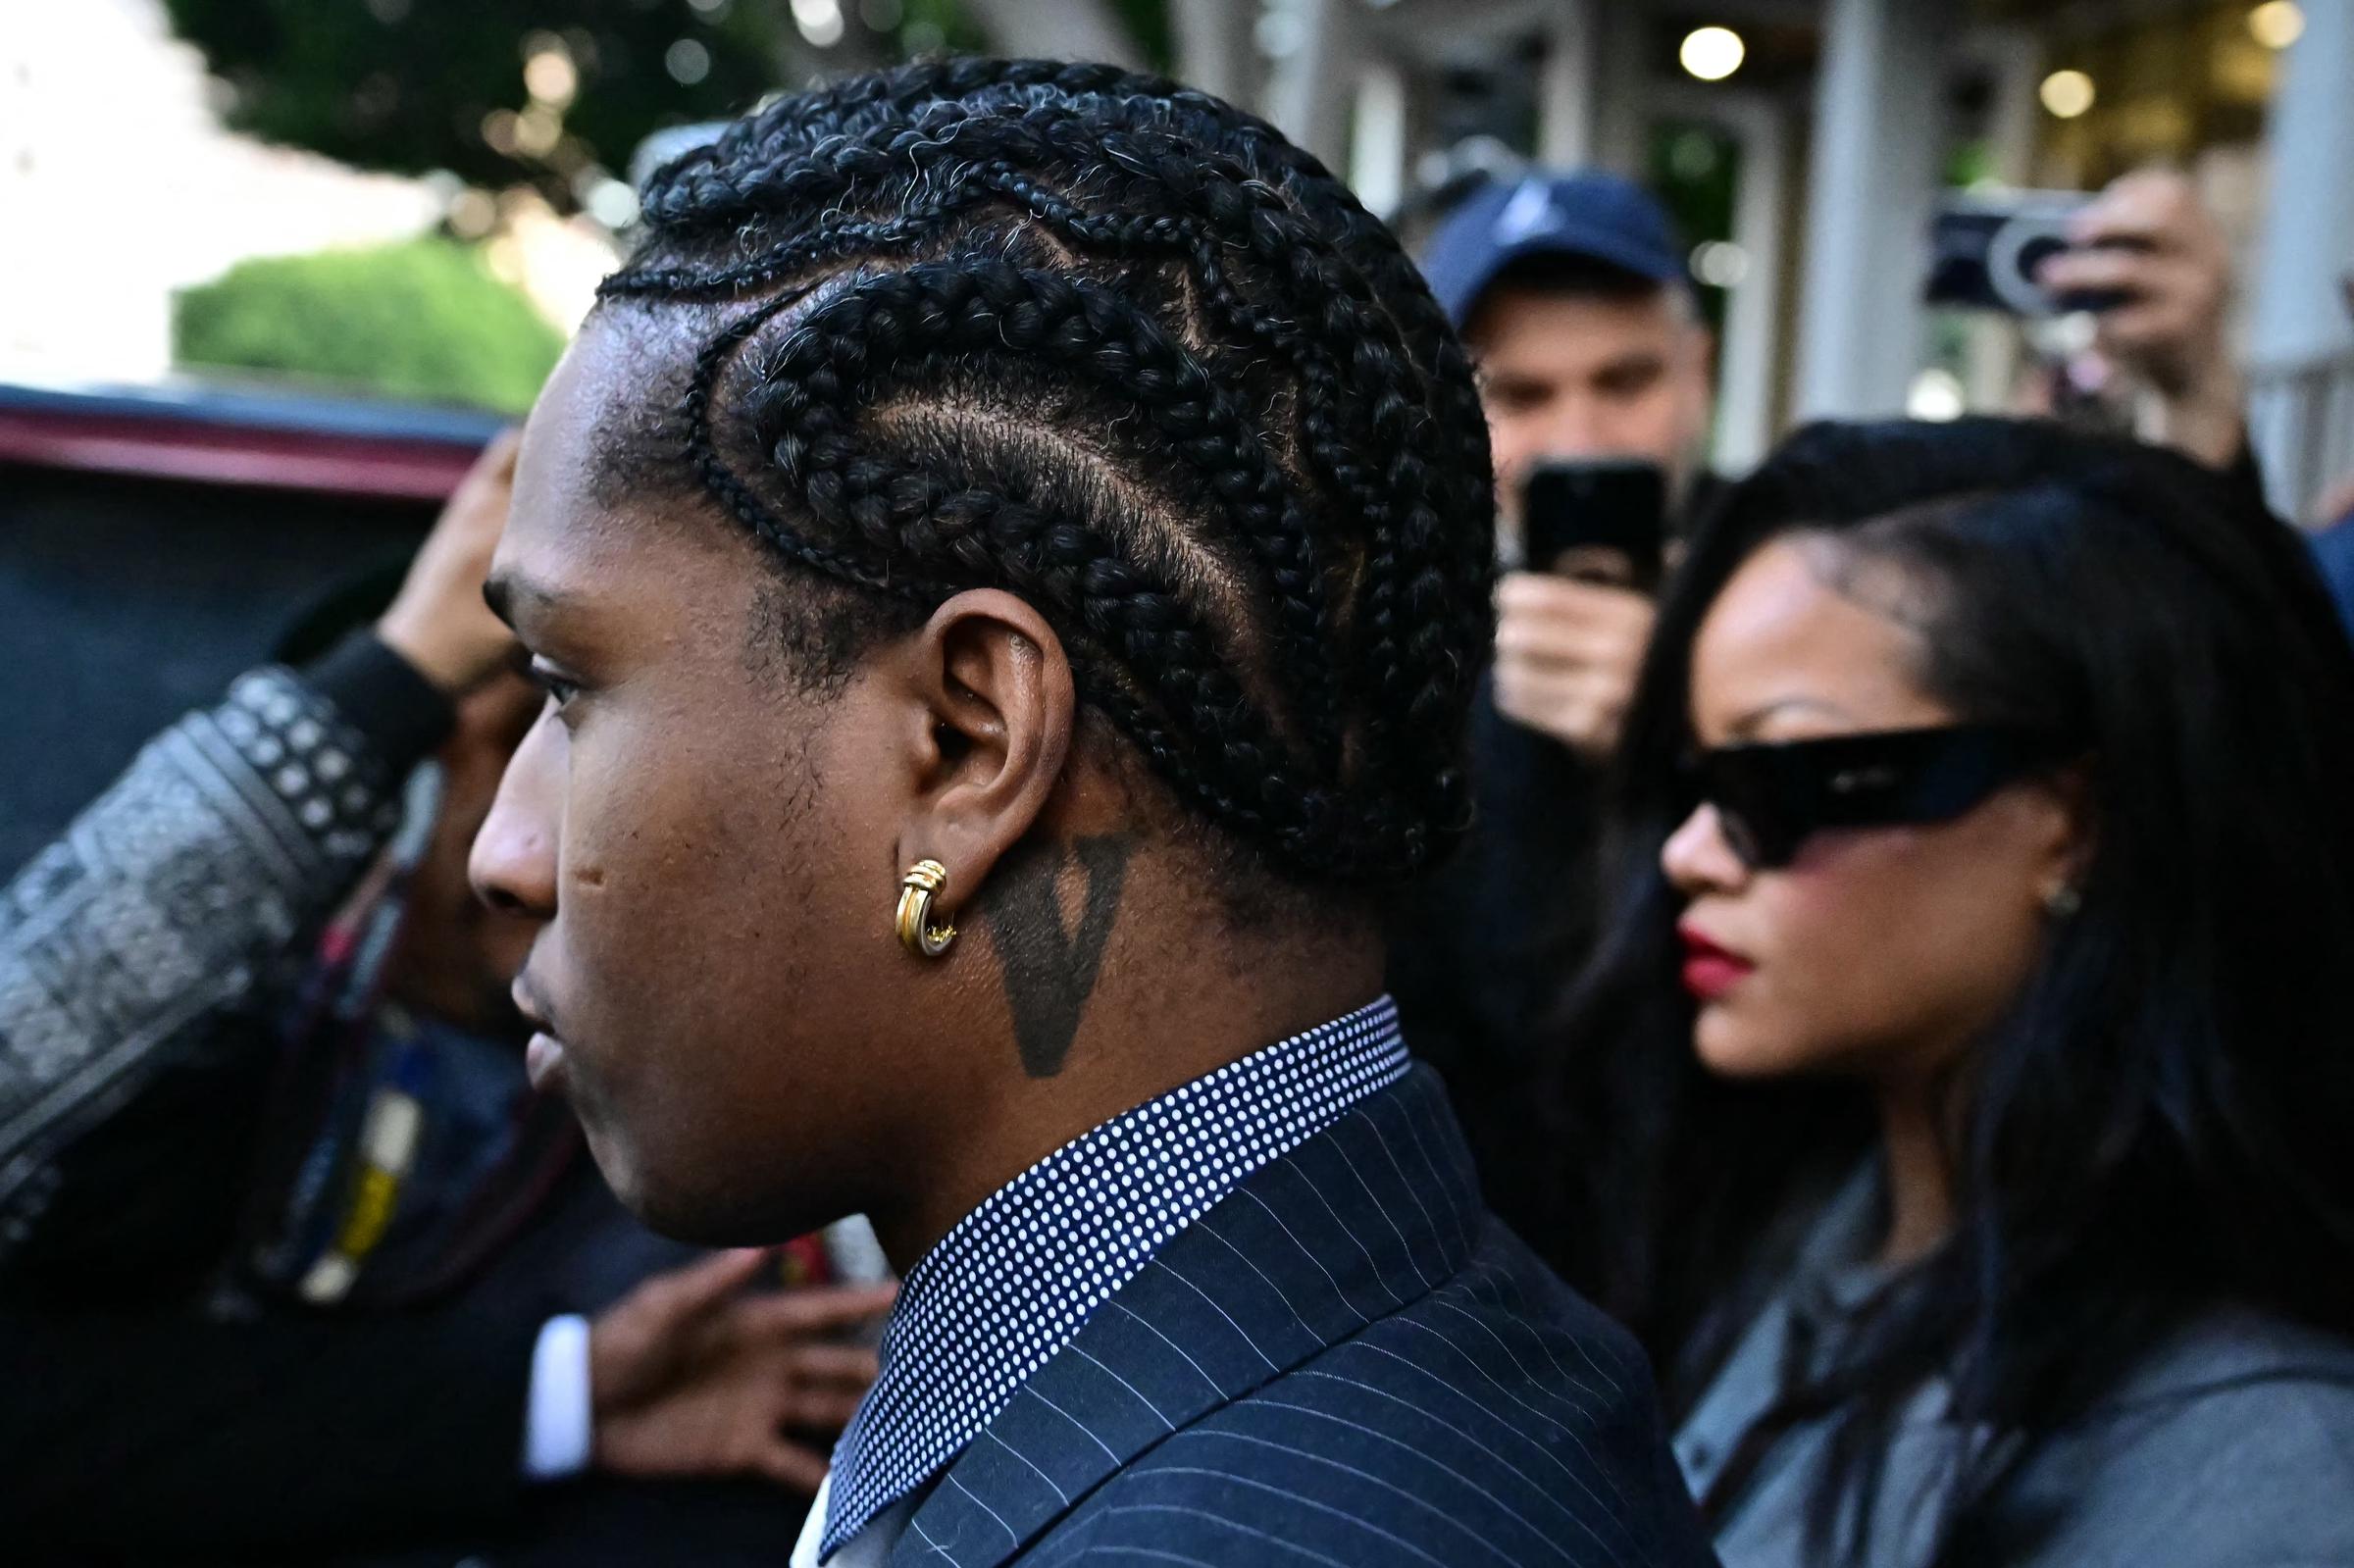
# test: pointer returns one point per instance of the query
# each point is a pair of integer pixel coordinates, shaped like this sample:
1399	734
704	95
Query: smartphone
1604	521
1984	252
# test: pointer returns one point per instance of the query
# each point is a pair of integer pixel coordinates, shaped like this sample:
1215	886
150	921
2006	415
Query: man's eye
1631	380
1517	397
559	690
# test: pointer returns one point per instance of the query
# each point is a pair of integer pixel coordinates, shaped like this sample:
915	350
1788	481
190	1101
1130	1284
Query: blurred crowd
1889	966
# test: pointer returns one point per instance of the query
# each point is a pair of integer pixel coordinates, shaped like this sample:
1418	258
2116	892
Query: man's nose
1576	432
513	863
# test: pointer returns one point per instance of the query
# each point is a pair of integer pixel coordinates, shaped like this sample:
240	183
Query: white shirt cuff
556	1413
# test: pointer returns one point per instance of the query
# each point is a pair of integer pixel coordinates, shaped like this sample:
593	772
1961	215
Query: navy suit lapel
1354	1224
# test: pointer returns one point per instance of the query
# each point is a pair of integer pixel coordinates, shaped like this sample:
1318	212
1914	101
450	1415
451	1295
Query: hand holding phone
1601	521
2003	253
1572	630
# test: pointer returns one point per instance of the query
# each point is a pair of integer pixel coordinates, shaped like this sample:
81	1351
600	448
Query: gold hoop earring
917	933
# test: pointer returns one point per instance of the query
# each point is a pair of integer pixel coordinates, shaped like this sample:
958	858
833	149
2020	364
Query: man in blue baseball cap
1571	291
1572	294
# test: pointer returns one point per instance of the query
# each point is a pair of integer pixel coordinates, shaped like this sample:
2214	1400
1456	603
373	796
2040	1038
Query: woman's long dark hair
2161	1123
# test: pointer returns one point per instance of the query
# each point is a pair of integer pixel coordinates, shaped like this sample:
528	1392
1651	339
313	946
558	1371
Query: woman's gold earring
917	933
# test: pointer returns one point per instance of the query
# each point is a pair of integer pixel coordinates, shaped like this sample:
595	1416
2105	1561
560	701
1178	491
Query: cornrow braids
1119	348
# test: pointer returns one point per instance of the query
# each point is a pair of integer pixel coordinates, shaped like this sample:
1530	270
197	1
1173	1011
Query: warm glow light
1713	52
2066	93
549	78
1935	394
537	130
1719	263
498	131
472	214
2277	24
820	21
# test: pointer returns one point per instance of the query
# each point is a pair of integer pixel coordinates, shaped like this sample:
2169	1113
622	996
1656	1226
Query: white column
1057	29
1377	137
1880	129
2012	59
1213	46
1308	89
2300	339
1622	88
1566	88
1745	374
2299	312
1746	358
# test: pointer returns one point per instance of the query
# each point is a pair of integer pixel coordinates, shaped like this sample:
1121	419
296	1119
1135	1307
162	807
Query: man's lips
543	1063
543	1057
1710	969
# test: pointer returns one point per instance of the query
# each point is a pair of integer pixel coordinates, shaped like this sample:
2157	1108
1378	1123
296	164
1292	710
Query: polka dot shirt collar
1011	1284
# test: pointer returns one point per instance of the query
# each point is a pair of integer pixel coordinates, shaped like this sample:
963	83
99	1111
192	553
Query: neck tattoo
1050	964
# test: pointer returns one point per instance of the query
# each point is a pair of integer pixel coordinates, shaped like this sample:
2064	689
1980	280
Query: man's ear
996	704
1697	368
1700	349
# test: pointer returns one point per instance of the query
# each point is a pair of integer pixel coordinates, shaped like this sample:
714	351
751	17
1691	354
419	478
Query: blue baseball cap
1595	217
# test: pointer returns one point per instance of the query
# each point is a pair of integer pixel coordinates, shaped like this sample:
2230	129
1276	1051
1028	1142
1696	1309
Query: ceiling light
2066	93
1712	53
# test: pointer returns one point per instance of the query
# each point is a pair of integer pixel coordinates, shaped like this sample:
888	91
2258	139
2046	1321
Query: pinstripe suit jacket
1347	1361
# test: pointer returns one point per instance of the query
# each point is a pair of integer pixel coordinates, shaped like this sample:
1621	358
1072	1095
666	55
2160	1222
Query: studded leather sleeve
166	903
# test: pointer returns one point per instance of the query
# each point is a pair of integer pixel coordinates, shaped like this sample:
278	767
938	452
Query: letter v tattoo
1050	971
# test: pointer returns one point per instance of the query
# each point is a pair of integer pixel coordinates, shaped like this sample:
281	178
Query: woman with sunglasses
1964	1093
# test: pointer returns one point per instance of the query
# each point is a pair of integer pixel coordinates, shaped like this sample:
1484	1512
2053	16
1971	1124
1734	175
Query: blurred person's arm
136	1431
172	901
2148	238
160	1431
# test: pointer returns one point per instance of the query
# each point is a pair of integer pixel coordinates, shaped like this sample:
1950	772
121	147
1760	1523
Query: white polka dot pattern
1012	1284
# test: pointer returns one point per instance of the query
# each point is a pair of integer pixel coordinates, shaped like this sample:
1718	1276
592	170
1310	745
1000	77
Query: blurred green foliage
405	85
1695	170
424	319
410	85
1147	21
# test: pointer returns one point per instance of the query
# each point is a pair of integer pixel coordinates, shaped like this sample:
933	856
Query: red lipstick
1709	970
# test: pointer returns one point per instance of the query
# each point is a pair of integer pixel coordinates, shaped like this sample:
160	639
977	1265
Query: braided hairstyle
1118	347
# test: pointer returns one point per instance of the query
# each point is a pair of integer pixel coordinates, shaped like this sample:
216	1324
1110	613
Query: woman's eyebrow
1750	722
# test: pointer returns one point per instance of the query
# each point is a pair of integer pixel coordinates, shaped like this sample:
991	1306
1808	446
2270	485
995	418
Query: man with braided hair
1009	558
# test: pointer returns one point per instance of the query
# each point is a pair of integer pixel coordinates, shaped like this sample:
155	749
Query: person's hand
2147	236
2337	505
439	621
1567	657
691	1376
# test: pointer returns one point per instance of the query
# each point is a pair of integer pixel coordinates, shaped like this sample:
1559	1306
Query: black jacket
153	1410
1482	951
